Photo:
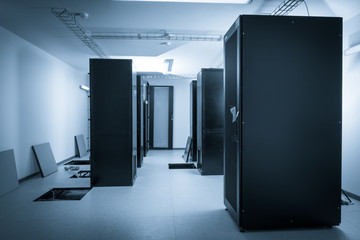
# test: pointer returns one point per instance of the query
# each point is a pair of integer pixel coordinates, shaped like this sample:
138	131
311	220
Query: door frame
170	117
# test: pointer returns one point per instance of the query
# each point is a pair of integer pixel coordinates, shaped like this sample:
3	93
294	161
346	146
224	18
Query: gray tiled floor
162	204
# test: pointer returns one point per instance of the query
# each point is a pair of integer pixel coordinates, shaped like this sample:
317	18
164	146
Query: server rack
283	111
140	122
210	122
113	122
146	105
193	103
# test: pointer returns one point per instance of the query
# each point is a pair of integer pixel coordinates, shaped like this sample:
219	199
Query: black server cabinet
113	122
140	121
283	113
193	103
146	104
210	121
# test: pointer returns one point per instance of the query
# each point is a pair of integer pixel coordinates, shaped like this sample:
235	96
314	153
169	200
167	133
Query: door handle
235	114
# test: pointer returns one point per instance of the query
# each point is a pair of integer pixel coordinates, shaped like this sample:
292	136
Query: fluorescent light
352	50
86	88
192	1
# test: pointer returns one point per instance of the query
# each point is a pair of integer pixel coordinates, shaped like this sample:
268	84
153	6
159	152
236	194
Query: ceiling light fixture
68	19
192	1
86	88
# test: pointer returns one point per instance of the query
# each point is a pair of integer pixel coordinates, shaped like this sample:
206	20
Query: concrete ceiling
34	22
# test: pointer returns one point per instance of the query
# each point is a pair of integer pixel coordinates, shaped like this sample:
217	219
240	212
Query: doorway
161	117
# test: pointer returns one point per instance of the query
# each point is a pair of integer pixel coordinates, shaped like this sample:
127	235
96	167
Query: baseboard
350	194
21	180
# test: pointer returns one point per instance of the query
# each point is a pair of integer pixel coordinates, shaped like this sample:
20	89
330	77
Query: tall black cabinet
140	121
283	113
113	122
210	121
146	116
193	123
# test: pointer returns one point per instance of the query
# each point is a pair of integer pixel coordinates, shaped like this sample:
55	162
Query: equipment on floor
187	149
346	200
45	159
71	168
80	145
81	174
8	175
181	166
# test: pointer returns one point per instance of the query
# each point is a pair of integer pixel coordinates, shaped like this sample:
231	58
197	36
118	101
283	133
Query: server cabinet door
292	121
231	122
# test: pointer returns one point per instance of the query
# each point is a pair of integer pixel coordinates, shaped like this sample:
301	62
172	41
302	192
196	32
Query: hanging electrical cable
287	6
307	9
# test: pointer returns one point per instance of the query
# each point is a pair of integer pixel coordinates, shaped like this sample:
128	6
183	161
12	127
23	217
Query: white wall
351	108
181	123
40	101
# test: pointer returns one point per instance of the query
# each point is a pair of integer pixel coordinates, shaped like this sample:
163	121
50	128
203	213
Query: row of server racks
274	129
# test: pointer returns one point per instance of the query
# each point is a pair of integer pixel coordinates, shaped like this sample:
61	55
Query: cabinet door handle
235	114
